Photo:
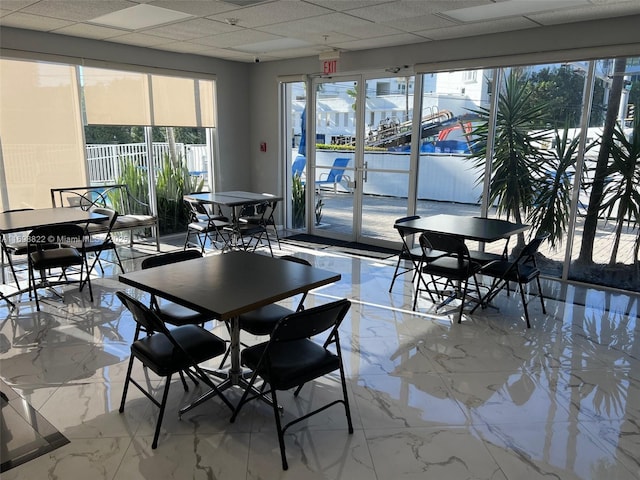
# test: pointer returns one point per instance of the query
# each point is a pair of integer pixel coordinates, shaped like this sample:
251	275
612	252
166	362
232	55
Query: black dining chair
291	358
452	270
14	245
53	251
204	225
170	312
251	234
264	214
409	254
522	271
166	352
263	320
100	239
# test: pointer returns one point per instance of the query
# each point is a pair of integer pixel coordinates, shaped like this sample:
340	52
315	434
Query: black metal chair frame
11	249
101	241
183	358
454	266
263	214
263	320
204	225
290	341
253	231
57	247
522	270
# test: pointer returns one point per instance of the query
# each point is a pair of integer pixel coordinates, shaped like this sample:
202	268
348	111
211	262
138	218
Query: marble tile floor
430	398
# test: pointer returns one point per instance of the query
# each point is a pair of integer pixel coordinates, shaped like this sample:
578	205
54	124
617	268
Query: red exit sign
329	66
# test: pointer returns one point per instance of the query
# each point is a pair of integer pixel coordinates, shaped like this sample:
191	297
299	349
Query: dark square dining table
226	286
468	228
27	220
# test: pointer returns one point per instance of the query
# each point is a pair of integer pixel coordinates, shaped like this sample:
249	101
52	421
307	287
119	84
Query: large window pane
605	244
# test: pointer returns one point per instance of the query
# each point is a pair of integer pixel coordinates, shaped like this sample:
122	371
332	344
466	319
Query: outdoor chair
99	241
298	165
335	175
205	226
53	250
291	358
451	270
166	352
407	253
522	270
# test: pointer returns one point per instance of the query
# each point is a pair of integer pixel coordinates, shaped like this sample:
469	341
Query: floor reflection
431	399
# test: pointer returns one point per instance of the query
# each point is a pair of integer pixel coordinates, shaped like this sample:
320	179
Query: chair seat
485	257
523	274
55	258
175	314
450	267
294	363
262	320
159	354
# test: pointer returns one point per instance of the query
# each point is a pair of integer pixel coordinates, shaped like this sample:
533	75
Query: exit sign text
329	66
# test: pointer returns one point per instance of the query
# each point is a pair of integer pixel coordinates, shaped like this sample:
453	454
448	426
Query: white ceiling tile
420	23
582	14
33	22
400	9
380	42
273	13
236	38
199	27
78	10
344	5
86	30
139	39
200	8
480	28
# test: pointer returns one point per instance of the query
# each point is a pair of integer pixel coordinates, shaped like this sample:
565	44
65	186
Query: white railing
104	161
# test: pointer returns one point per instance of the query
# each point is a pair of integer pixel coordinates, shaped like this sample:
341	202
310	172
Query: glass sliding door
388	113
332	159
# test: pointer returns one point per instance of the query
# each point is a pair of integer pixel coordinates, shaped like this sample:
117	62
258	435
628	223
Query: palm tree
517	163
622	192
550	211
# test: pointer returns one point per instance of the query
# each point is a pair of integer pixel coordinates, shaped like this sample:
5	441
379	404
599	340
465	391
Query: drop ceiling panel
461	31
291	27
75	9
273	13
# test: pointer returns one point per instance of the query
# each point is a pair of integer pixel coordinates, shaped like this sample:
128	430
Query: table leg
233	377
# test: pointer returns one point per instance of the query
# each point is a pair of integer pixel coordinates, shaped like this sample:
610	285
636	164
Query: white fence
104	161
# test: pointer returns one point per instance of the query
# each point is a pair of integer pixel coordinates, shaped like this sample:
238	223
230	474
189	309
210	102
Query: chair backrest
297	166
171	257
65	234
399	221
110	213
449	244
311	322
146	319
530	249
195	208
337	169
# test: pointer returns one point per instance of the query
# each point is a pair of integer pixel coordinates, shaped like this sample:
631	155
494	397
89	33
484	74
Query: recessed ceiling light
509	8
140	16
